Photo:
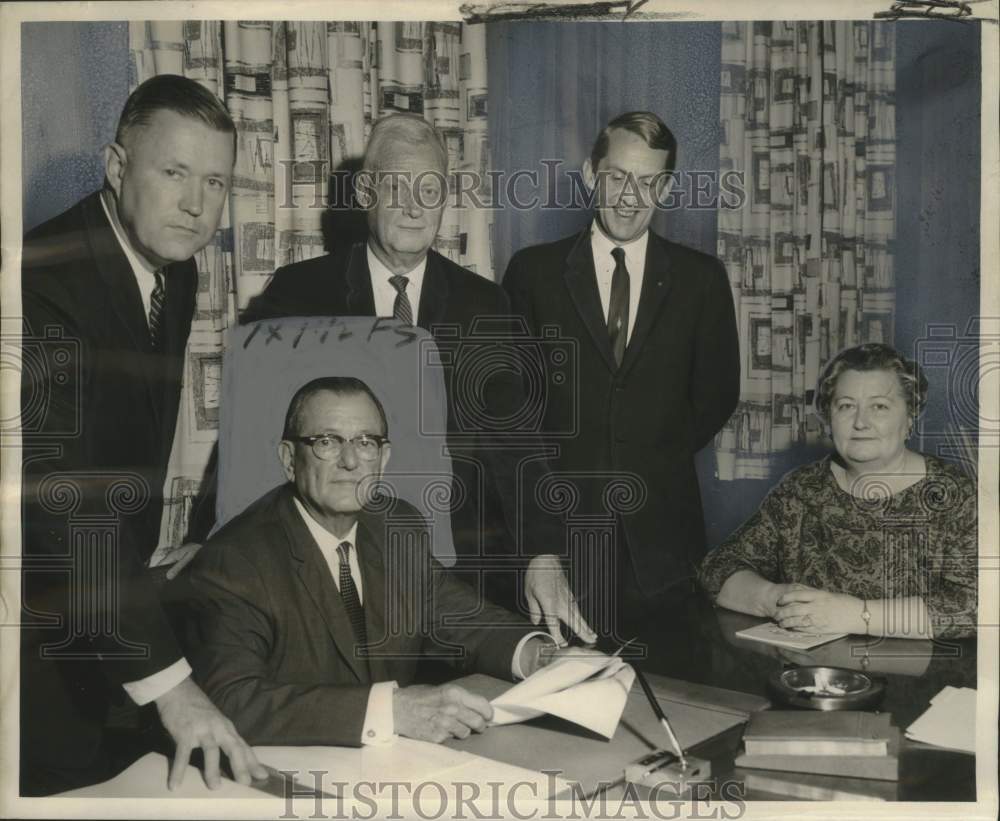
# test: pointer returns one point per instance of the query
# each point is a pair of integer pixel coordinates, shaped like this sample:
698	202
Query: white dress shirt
385	292
144	277
152	687
604	267
379	726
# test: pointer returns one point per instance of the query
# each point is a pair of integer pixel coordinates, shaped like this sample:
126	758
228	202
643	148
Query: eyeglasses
327	446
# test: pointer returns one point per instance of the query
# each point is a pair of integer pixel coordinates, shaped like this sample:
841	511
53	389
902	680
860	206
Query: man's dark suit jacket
677	385
451	300
271	641
99	403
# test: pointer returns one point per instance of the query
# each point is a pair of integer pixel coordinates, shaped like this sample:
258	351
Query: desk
695	642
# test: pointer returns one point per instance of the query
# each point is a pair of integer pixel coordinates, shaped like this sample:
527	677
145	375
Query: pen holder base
661	770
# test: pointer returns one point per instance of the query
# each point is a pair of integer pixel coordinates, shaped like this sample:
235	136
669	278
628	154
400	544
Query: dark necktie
156	300
349	593
401	308
618	307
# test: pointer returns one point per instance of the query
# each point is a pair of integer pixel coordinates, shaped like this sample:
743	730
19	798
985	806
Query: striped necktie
401	308
618	307
156	302
349	594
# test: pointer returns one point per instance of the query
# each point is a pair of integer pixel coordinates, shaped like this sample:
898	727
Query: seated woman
874	539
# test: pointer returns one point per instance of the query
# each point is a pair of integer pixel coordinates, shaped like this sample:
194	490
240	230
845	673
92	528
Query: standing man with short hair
658	359
113	280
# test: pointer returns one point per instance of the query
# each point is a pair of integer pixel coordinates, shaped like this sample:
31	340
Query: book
812	787
771	633
807	732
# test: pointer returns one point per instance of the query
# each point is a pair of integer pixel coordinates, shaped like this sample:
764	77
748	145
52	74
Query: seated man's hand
438	713
549	597
193	721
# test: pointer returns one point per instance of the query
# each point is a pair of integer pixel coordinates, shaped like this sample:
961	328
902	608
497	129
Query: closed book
882	768
805	732
811	787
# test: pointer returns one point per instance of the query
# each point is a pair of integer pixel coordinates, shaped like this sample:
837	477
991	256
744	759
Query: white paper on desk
589	690
949	722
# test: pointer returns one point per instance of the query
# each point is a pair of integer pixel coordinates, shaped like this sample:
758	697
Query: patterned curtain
304	96
808	114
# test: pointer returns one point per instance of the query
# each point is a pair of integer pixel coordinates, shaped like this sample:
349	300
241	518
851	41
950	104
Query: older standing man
111	283
397	274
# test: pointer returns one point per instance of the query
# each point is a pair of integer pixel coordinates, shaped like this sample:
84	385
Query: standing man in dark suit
659	361
396	274
108	291
310	609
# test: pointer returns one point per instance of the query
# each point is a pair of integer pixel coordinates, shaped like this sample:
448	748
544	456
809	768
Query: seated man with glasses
307	613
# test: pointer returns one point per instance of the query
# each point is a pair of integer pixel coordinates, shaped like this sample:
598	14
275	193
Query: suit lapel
314	575
581	280
360	296
371	549
119	278
433	293
656	281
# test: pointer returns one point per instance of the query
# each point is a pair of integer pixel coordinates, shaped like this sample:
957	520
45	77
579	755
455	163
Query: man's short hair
170	92
339	385
404	128
643	124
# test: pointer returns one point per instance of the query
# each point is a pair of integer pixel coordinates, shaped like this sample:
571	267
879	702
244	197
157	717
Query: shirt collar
139	268
635	251
324	538
380	272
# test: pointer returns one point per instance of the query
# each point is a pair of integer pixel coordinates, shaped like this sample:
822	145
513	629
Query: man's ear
589	176
115	160
364	188
383	458
286	453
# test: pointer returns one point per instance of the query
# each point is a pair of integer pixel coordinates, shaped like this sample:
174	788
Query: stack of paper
587	689
949	722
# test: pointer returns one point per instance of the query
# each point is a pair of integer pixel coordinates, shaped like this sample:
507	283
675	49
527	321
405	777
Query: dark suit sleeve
141	626
517	471
487	634
715	378
230	634
279	298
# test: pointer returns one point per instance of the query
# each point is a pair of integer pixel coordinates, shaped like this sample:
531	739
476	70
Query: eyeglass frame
313	439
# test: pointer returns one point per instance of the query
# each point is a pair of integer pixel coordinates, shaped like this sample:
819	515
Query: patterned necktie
156	300
349	593
618	309
401	308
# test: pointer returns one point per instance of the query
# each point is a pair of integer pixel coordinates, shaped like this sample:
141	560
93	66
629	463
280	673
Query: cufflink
371	734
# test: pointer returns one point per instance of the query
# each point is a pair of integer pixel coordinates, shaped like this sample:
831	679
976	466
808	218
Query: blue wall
74	81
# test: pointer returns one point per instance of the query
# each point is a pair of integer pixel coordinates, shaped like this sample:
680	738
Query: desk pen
664	721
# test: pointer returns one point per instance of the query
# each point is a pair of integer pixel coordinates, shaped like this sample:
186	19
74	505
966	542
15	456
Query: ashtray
826	688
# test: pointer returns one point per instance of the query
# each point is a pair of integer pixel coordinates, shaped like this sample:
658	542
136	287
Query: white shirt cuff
515	663
152	687
379	728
